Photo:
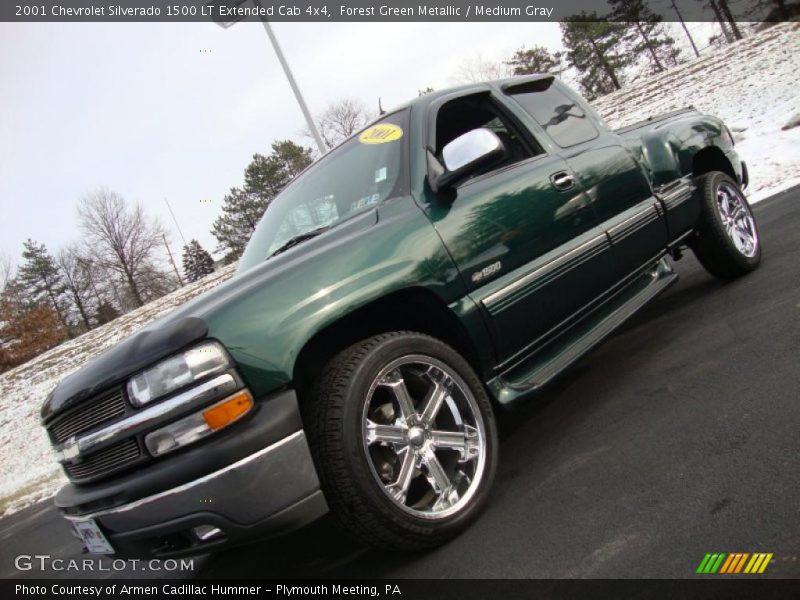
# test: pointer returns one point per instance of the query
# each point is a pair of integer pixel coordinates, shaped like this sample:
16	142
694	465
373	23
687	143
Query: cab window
559	115
461	115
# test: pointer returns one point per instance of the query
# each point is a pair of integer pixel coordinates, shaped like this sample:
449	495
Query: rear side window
560	116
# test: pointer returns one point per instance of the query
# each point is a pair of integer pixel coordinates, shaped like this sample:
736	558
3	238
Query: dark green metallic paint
297	294
611	310
508	221
561	254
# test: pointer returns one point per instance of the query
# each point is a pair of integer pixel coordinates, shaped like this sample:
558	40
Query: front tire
404	440
728	244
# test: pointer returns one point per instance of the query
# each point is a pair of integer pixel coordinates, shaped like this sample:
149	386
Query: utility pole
297	94
175	221
286	70
169	252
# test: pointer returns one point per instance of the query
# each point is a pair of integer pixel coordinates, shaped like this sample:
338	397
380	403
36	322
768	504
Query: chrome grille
105	461
89	414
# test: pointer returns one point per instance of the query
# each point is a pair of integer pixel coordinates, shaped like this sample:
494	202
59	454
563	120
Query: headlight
177	371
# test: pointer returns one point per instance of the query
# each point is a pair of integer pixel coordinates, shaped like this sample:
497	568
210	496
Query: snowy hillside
751	85
27	467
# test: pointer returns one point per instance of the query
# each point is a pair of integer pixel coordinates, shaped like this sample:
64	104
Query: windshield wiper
299	238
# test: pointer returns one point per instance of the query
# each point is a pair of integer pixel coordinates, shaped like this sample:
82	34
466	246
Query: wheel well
413	309
712	159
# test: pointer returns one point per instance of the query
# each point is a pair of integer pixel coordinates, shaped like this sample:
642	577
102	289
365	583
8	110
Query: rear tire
404	441
728	244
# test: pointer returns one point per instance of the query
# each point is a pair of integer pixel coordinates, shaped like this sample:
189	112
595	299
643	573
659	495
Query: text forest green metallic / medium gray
546	233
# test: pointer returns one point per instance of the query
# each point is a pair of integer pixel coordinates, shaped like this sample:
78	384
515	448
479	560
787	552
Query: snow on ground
750	85
28	471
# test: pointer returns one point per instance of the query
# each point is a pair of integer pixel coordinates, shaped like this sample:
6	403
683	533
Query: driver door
527	244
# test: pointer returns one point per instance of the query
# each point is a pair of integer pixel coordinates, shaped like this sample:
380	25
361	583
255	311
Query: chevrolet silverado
445	263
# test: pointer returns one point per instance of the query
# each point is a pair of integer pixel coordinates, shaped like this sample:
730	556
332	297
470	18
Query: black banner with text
227	12
401	589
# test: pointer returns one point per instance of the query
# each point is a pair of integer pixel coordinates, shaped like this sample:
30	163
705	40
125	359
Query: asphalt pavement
677	437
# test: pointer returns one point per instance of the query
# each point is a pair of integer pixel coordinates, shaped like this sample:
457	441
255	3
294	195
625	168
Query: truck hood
186	324
115	364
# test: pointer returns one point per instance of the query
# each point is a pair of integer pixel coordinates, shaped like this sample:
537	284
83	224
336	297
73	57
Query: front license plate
93	538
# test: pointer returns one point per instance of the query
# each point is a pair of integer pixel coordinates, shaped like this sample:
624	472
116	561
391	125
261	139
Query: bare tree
341	119
121	238
103	286
477	68
155	281
93	274
76	281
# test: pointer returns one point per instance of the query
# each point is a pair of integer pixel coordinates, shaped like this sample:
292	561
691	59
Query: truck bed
654	120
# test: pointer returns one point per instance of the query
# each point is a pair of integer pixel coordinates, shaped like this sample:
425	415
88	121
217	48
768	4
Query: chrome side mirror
464	156
469	148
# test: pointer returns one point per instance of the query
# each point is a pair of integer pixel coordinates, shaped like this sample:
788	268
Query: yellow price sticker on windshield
380	134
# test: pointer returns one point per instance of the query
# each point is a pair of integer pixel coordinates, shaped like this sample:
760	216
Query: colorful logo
734	563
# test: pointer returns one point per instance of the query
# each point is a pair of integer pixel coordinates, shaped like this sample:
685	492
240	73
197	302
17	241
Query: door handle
562	180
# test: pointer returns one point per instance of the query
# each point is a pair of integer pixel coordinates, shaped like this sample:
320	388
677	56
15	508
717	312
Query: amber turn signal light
223	414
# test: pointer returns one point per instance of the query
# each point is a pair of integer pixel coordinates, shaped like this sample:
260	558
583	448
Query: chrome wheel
424	437
737	219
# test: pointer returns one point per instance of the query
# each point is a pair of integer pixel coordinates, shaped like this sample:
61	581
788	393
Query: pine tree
725	10
197	263
594	48
264	178
646	35
42	280
240	215
674	5
538	59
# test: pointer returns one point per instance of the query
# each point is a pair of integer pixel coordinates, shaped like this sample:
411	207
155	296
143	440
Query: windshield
353	178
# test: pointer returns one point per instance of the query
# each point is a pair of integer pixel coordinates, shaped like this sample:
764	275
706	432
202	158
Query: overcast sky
140	109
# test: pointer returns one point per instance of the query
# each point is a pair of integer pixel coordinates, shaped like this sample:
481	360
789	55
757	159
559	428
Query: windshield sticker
380	175
364	202
380	134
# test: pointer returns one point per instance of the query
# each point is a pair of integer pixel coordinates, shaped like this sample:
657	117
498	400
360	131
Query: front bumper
257	492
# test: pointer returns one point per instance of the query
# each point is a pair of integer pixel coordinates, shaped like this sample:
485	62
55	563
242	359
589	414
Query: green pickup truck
444	263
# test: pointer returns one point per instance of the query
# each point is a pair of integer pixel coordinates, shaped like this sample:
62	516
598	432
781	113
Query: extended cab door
525	241
615	184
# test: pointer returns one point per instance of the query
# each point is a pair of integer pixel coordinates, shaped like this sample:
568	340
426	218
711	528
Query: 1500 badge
486	272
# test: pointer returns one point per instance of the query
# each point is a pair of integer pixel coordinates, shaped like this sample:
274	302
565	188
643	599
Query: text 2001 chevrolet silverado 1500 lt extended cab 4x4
447	261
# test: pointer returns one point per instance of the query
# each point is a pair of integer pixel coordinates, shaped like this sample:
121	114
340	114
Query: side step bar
524	379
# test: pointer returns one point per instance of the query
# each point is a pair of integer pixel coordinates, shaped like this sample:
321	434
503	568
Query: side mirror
463	157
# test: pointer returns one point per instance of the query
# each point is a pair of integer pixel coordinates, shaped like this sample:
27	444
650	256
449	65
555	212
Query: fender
668	148
266	324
